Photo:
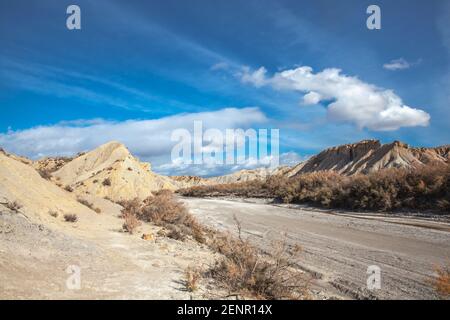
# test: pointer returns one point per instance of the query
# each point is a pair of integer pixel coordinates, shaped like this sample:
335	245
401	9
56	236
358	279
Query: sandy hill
21	183
111	171
370	155
248	175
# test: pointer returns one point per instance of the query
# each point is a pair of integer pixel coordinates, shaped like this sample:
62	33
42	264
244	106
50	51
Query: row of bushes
425	188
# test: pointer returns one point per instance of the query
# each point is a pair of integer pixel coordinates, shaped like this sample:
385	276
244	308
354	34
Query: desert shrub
244	270
441	282
12	205
68	217
88	204
107	182
192	276
53	213
130	222
45	174
162	209
249	189
68	188
423	188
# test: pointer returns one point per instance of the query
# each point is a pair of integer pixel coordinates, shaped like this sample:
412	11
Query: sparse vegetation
425	188
130	222
88	204
107	182
12	205
46	174
441	282
68	188
69	217
162	209
243	270
192	276
53	213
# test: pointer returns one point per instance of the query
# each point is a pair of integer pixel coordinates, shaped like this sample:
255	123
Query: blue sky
135	61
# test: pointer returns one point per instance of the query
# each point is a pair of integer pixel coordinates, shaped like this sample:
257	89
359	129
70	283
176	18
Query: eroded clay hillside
110	171
369	156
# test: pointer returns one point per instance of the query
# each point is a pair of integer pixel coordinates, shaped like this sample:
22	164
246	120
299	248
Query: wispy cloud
66	83
400	64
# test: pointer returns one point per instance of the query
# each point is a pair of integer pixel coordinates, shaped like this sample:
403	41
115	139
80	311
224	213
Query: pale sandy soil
114	265
338	248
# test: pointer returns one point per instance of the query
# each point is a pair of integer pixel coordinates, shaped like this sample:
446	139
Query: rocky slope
111	171
370	155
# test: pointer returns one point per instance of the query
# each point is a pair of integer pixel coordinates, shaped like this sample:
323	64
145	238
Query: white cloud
352	100
148	139
256	78
220	66
397	64
311	98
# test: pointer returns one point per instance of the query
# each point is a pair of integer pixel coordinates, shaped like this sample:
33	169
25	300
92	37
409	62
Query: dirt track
338	248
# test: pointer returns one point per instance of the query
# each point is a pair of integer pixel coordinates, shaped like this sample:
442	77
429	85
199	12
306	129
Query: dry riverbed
338	247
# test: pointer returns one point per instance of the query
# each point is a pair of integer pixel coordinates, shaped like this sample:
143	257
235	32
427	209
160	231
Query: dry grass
12	205
162	209
88	204
46	174
192	276
130	222
68	217
244	270
441	282
53	213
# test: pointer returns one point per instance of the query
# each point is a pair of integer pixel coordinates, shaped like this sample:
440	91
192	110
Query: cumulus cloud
352	100
148	139
311	98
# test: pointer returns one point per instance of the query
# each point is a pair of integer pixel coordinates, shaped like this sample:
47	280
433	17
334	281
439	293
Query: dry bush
441	282
12	205
68	188
88	204
68	217
46	174
53	213
164	210
249	189
107	182
423	188
244	270
130	222
192	276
